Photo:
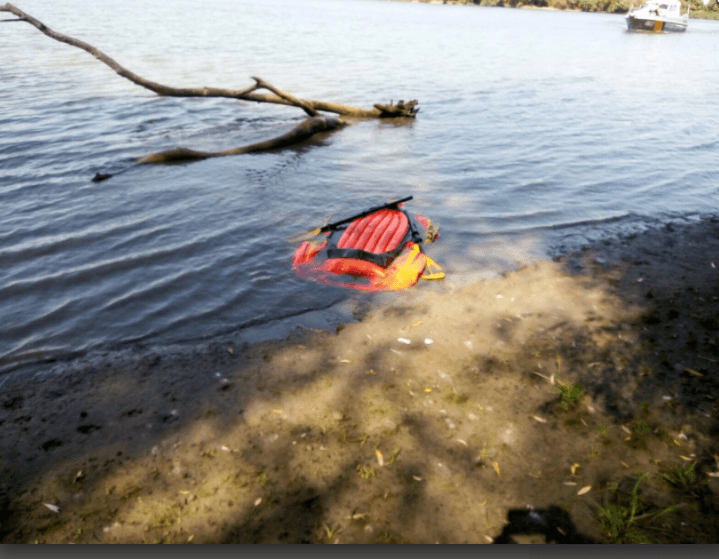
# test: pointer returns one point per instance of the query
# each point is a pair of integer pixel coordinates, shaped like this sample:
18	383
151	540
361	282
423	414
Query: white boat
658	15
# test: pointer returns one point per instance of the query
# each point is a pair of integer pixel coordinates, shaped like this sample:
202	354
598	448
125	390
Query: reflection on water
538	131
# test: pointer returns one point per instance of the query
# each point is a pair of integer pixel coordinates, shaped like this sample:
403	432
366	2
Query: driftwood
299	133
315	122
400	109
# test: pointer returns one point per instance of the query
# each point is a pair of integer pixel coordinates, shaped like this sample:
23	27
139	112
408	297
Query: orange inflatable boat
380	249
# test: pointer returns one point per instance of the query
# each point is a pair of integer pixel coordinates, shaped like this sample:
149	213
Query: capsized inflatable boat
379	249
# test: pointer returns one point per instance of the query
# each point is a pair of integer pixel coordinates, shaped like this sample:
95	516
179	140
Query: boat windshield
653	5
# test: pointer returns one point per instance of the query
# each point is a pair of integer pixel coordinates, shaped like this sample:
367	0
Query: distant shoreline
696	9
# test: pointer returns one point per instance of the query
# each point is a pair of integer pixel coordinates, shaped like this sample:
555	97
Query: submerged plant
568	394
618	516
642	429
365	472
685	478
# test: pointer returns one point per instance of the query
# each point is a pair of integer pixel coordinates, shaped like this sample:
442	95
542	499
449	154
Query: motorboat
658	15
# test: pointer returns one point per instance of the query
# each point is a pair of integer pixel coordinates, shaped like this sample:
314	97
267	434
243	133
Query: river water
539	132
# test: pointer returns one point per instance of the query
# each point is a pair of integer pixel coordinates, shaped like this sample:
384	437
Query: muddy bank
527	408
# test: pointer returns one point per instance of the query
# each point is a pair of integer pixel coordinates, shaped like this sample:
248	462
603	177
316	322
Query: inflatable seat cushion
377	233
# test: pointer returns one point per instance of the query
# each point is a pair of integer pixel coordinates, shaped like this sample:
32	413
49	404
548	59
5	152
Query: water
538	132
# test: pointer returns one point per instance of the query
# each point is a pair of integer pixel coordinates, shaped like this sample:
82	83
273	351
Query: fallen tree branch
302	131
247	94
314	123
400	109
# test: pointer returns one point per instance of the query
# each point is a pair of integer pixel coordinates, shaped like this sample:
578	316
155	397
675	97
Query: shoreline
360	437
697	9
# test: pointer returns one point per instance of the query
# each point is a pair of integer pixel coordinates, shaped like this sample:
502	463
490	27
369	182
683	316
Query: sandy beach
530	407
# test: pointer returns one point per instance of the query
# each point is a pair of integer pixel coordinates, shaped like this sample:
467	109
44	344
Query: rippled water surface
538	132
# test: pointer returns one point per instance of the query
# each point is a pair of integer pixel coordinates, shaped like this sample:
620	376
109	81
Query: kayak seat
379	232
375	238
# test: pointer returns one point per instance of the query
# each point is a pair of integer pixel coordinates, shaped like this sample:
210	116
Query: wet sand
514	409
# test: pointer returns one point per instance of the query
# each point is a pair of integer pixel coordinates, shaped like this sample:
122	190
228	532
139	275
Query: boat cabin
670	7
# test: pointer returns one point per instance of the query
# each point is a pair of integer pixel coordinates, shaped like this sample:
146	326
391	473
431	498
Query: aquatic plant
365	472
685	478
568	394
618	515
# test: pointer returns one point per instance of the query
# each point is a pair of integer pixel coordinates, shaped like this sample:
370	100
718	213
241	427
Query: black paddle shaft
334	225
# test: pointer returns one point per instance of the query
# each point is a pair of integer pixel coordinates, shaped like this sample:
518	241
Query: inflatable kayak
379	249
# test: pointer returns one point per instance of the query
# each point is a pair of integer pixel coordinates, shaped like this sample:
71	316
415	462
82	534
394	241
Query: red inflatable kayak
380	249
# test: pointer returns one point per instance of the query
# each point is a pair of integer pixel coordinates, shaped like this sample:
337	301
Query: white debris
53	508
404	341
428	341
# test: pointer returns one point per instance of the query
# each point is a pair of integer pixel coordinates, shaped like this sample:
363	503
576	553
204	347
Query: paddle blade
306	236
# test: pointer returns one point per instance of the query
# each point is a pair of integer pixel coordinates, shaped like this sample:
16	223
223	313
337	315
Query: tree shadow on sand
561	400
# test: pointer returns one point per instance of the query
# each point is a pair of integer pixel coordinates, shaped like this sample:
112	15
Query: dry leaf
190	538
685	458
258	501
496	468
541	420
416	324
574	468
380	460
585	489
693	372
230	350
